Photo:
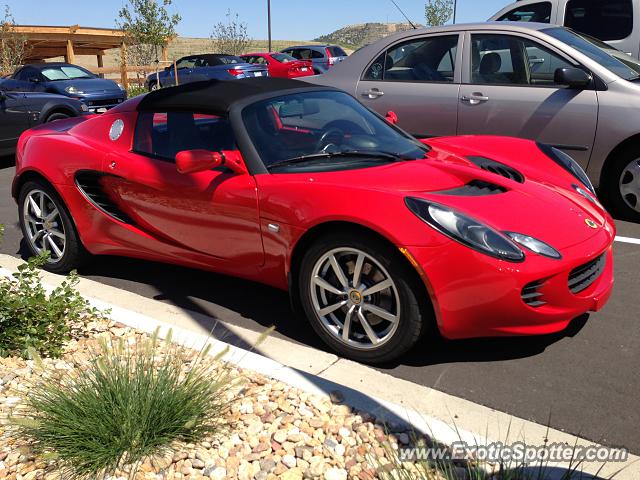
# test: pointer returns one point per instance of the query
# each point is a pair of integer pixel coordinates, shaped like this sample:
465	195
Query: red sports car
376	235
281	65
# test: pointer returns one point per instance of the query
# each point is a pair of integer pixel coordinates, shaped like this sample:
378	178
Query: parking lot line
628	240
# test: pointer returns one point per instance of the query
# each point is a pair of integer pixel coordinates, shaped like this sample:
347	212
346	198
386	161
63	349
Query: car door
508	89
214	212
20	80
419	80
14	118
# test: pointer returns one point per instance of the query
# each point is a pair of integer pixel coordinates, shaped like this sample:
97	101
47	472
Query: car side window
535	12
603	19
163	135
510	60
316	54
296	53
430	59
188	62
25	74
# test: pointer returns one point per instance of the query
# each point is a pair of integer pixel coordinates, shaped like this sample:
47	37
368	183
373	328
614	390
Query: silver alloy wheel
154	87
630	184
43	225
355	298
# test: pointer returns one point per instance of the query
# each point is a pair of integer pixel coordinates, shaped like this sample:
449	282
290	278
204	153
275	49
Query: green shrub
130	404
31	318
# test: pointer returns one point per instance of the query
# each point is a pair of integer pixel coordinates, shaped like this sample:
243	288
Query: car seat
489	69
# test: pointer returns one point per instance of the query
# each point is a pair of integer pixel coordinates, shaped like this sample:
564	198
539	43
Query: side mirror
192	161
572	77
392	117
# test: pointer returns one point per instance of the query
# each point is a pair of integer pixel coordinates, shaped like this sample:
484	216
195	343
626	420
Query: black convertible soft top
217	96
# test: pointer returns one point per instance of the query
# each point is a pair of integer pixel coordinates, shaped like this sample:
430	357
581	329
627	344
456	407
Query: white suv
613	21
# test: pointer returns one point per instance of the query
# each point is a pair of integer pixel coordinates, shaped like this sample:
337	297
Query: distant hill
363	33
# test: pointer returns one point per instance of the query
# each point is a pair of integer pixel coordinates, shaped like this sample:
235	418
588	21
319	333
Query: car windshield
609	57
322	131
283	57
65	73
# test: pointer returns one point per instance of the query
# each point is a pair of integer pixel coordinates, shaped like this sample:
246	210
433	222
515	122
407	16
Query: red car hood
546	208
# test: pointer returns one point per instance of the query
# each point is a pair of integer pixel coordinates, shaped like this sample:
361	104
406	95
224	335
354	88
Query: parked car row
292	62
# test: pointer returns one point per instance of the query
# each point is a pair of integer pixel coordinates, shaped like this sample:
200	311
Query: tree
148	27
438	12
14	46
230	37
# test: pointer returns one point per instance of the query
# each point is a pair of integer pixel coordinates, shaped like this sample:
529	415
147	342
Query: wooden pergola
46	42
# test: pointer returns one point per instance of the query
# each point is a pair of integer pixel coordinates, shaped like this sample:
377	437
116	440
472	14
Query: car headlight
568	163
465	230
73	90
121	87
535	245
84	108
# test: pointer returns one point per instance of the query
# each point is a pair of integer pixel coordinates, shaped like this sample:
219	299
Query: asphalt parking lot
585	381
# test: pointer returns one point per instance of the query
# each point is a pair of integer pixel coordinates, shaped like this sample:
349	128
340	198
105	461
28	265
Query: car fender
59	104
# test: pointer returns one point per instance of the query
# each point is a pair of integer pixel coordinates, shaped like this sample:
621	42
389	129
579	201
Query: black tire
153	85
57	116
610	190
74	255
415	313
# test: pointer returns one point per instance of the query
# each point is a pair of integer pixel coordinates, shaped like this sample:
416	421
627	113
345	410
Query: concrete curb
446	418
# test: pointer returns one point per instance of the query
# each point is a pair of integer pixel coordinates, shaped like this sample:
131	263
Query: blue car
69	80
208	66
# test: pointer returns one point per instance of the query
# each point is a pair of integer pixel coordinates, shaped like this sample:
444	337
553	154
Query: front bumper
106	101
475	295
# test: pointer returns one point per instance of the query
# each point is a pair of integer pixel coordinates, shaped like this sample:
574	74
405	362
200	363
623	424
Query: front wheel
47	227
361	298
621	187
153	86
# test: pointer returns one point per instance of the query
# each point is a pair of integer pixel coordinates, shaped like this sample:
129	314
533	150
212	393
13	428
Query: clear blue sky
292	19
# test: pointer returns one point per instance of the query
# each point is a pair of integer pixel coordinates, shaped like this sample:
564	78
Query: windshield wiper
386	156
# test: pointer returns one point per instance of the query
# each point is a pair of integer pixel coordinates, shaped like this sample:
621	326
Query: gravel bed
275	431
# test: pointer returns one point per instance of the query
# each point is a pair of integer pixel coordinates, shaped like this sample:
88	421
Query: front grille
498	168
583	276
109	102
531	294
475	188
88	182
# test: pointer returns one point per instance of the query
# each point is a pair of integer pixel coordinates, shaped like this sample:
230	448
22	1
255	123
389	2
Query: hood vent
475	188
497	168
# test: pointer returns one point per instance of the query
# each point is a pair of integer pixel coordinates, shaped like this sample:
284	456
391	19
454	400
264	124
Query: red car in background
280	64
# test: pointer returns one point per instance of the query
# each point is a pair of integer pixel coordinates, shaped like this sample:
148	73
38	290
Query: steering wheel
333	136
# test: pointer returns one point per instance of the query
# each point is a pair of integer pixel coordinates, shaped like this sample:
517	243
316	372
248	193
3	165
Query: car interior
163	135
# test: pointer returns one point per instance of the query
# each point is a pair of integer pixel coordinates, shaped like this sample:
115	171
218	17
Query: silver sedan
531	80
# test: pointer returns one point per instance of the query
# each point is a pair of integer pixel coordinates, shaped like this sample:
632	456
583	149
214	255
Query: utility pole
269	21
455	7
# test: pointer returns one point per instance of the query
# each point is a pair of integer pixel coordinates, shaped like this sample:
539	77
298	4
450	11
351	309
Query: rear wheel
621	187
360	297
47	227
153	86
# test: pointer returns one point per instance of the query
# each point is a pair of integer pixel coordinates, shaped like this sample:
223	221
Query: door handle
373	93
475	98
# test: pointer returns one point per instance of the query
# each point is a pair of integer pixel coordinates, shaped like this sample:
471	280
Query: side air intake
89	184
